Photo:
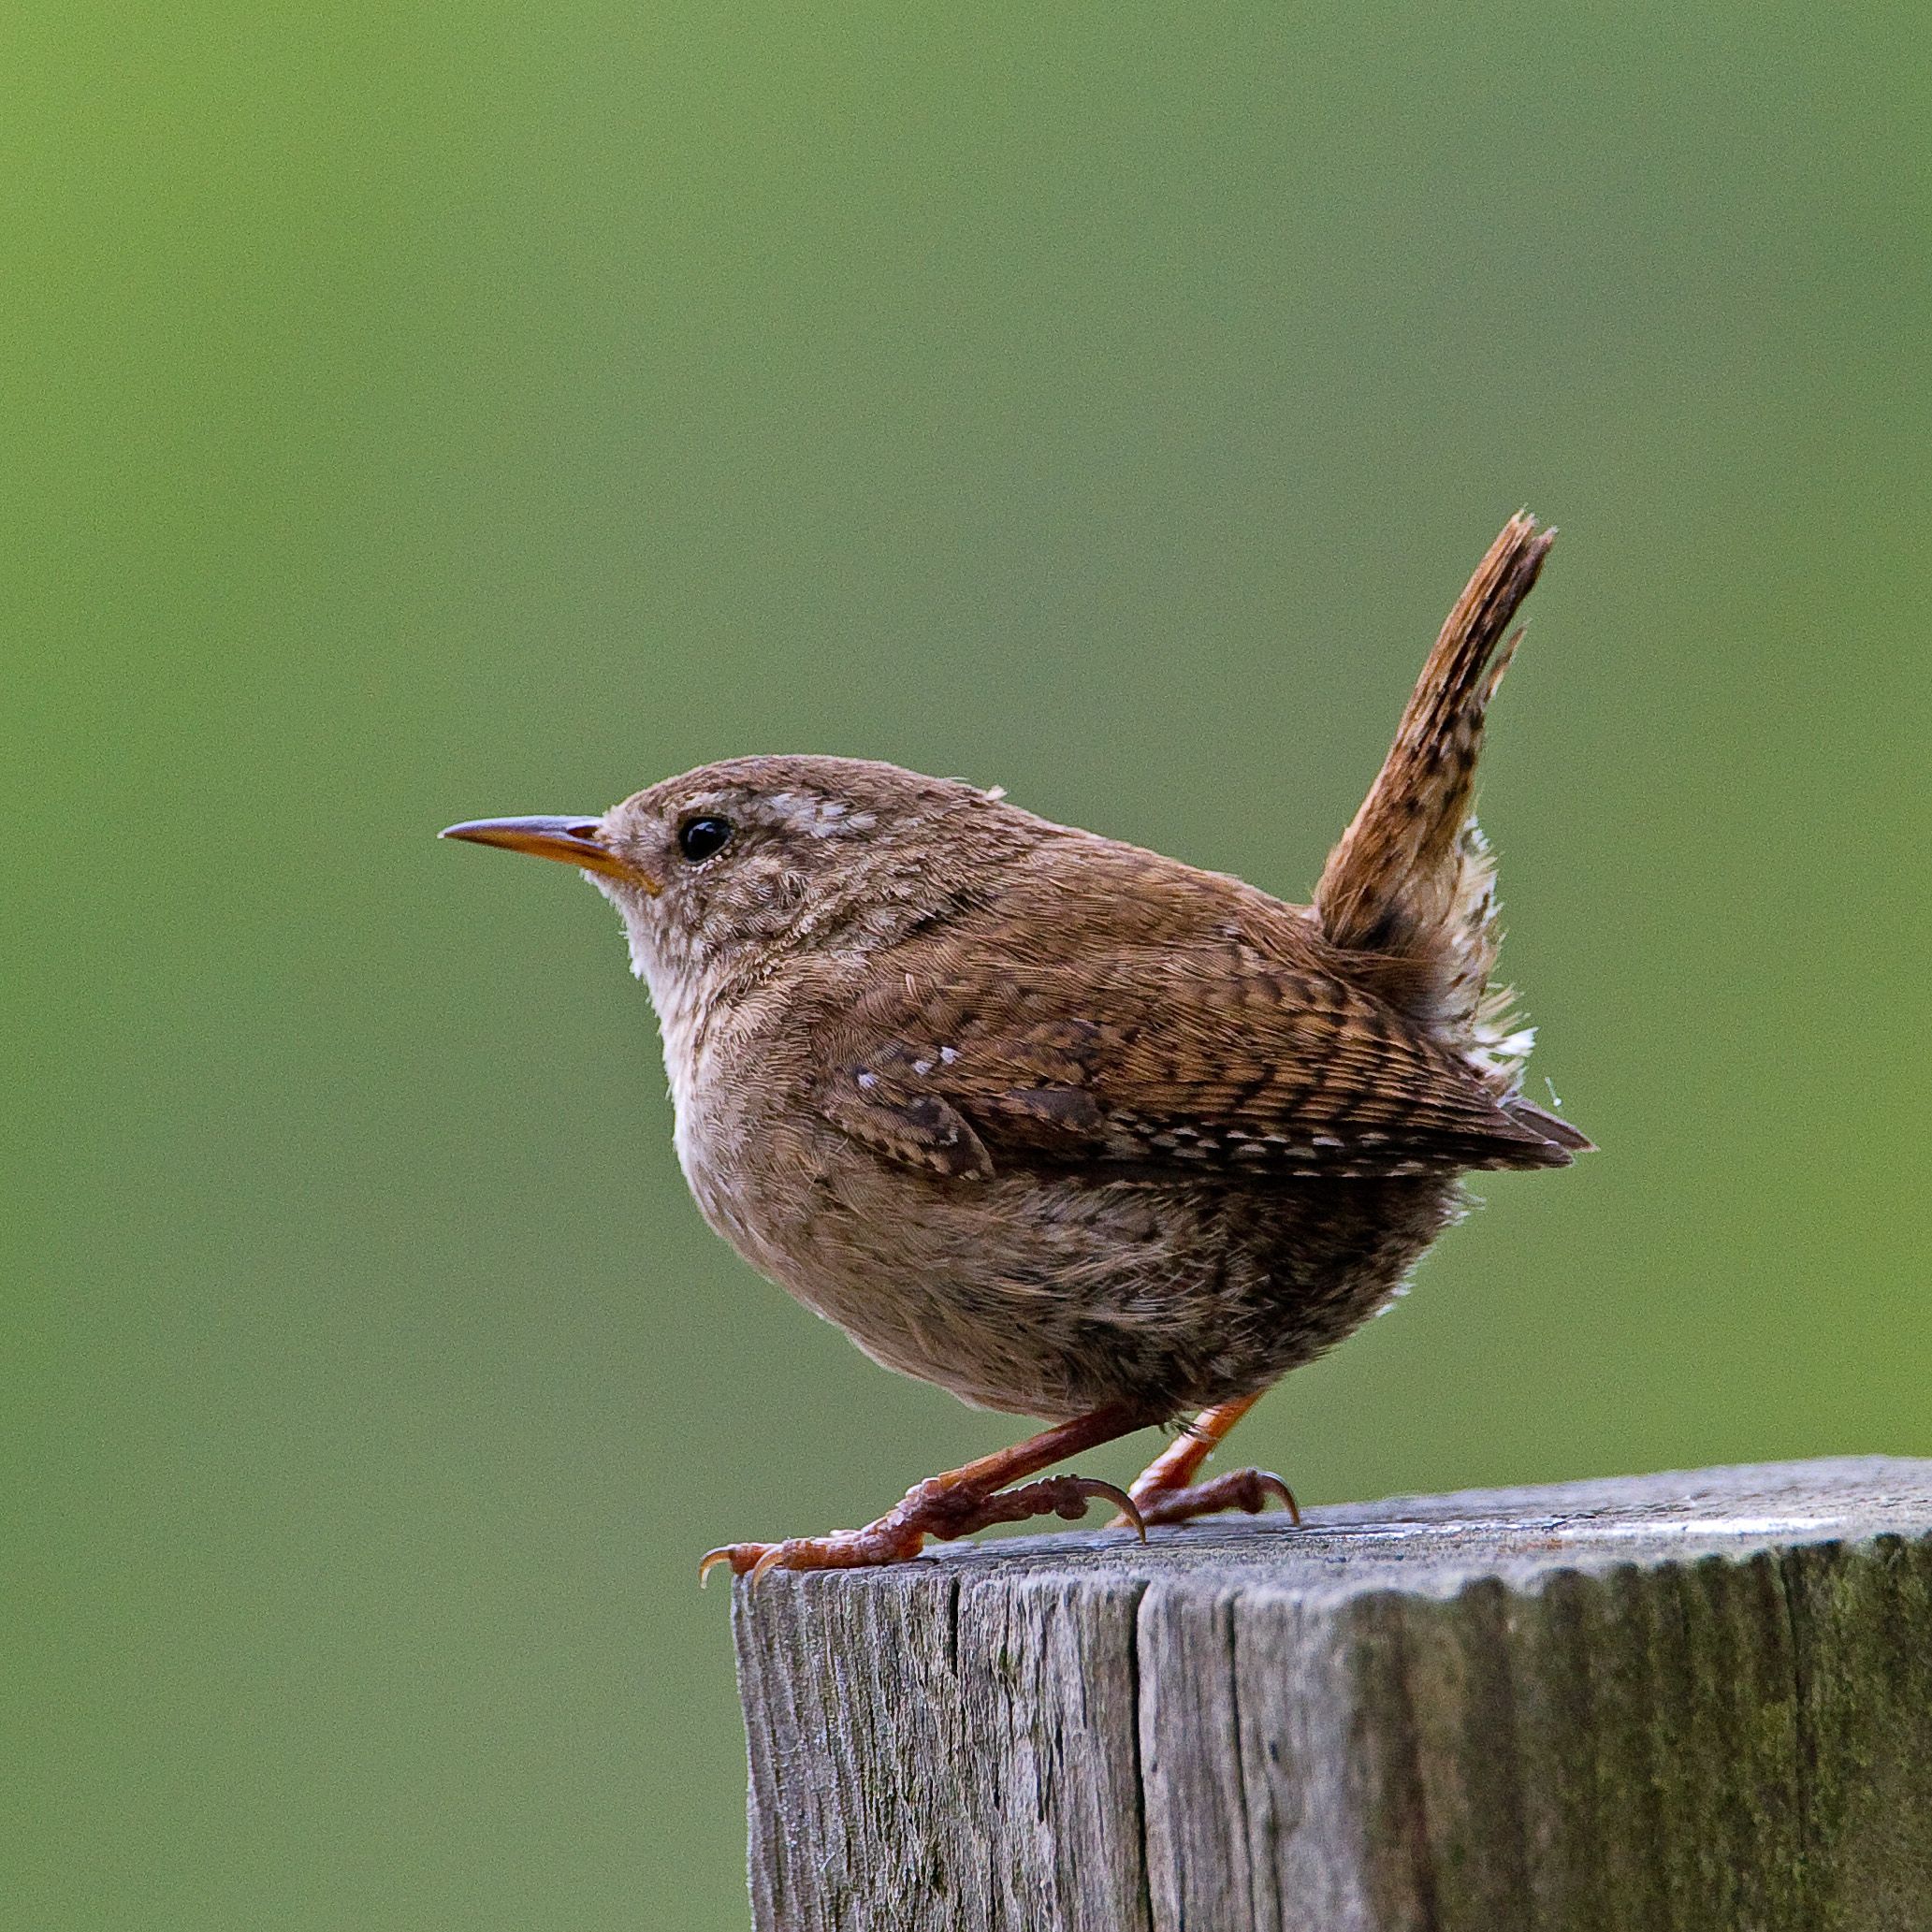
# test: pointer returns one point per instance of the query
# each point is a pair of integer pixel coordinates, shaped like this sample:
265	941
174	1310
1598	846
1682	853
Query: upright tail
1412	879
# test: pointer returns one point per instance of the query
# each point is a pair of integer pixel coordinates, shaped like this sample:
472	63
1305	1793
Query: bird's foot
937	1507
1239	1489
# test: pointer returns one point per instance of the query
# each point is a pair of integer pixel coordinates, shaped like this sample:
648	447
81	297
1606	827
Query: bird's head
729	867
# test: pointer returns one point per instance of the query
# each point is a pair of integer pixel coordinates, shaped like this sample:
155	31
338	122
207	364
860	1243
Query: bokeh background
417	412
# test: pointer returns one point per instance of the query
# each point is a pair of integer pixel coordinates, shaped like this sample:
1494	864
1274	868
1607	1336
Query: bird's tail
1412	879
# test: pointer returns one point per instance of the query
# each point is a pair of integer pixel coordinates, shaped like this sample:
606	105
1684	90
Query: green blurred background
423	411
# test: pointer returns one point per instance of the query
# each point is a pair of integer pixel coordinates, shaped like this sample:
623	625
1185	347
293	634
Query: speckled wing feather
1160	1062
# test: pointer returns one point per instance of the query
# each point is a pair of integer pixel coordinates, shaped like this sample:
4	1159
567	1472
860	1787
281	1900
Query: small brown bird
1070	1128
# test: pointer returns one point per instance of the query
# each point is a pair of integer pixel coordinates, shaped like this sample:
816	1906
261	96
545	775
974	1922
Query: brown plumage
1066	1126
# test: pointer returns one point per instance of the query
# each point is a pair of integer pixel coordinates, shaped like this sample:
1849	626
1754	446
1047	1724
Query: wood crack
1136	1757
1804	1766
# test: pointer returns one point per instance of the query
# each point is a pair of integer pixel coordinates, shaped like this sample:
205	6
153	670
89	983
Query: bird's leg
959	1502
1167	1492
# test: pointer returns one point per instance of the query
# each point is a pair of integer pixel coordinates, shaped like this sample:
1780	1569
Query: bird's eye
698	838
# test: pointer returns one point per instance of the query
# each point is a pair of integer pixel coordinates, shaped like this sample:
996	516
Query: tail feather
1552	1126
1412	879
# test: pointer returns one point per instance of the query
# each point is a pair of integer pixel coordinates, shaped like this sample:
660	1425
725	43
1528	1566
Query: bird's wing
1144	1061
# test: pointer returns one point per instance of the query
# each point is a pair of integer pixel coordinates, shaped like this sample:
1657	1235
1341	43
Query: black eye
698	838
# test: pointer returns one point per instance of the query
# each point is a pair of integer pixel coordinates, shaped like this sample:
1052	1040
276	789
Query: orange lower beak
575	841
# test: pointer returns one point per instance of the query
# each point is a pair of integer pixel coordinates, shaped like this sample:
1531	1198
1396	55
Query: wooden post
1697	1702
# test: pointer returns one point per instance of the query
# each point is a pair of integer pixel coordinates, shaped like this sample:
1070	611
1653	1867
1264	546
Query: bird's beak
575	841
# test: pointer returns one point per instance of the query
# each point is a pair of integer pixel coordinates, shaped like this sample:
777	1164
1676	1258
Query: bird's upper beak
575	841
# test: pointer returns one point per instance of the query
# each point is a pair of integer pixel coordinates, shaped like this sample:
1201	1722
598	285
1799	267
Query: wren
1070	1128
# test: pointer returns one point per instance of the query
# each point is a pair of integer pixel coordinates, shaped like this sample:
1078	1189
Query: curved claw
1272	1485
724	1553
1129	1516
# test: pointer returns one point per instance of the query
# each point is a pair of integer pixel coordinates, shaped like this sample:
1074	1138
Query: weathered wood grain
1683	1702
